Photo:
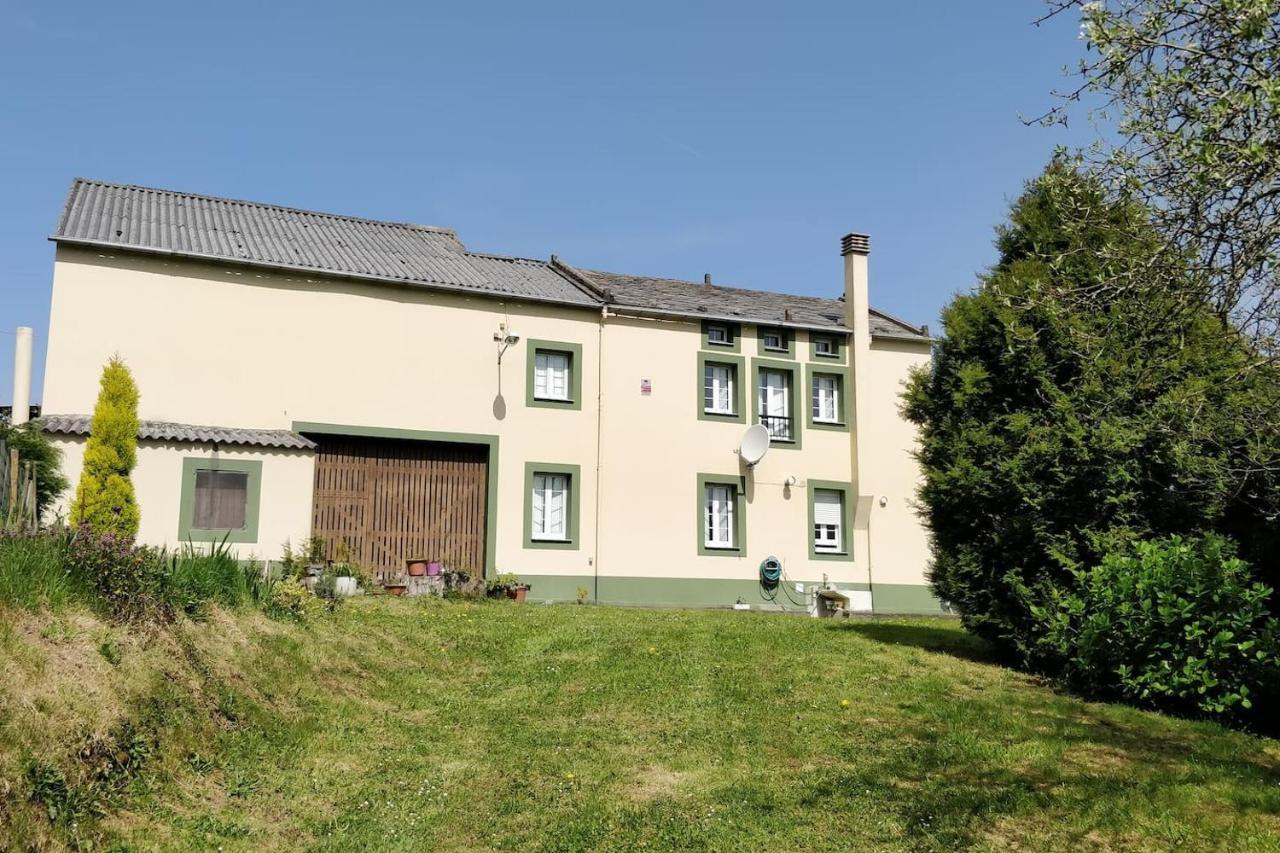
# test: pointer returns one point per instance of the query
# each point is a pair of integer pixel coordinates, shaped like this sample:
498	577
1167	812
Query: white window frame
824	346
776	334
765	400
719	391
718	328
545	375
828	536
541	527
826	407
719	505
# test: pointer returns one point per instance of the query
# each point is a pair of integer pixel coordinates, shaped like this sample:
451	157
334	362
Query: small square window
824	346
221	500
718	335
774	340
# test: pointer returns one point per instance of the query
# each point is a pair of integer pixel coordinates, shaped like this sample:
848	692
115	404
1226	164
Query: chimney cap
854	243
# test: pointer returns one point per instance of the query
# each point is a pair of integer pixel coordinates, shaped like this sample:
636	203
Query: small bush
127	579
1177	624
33	571
33	445
291	600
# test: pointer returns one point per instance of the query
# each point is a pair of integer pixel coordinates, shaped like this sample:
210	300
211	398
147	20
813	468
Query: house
377	383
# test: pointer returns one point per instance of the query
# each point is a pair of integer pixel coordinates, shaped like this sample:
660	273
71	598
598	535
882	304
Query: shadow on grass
930	638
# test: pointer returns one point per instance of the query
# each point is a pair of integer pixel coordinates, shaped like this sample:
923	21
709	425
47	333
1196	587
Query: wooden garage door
392	501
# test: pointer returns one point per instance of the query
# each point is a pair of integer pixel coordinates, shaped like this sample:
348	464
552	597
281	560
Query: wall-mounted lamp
884	501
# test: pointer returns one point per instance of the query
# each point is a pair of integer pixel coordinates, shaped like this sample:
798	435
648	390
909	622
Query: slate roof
220	229
165	431
197	226
738	304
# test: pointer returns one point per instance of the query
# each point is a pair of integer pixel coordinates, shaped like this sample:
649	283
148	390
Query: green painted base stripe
714	592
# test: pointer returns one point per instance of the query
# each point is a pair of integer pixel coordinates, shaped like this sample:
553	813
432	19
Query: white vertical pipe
22	376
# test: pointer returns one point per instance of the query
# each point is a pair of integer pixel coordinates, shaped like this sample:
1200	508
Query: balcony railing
779	427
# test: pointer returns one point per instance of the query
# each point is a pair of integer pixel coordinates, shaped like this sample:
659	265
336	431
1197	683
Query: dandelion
569	776
652	650
844	703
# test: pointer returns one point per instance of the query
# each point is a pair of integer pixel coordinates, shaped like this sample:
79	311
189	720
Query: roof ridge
717	286
434	229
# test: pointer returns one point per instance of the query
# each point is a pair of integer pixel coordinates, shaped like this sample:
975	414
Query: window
718	335
826	398
550	507
773	339
824	346
555	375
828	520
222	500
719	524
775	403
219	499
551	376
551	503
718	381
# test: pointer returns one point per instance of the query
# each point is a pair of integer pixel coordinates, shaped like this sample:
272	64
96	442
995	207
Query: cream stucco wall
284	500
227	346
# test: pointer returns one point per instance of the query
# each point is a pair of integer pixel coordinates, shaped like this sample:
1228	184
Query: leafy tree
1052	436
1189	95
104	499
34	446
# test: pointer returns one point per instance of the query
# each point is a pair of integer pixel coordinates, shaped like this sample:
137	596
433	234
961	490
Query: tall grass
34	572
195	577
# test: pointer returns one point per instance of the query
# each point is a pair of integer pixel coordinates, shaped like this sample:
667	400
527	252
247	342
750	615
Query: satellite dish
755	443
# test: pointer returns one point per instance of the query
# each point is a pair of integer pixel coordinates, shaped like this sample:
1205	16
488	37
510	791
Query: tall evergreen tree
104	500
1051	436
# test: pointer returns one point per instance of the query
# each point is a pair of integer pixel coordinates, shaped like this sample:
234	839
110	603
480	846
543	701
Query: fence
17	492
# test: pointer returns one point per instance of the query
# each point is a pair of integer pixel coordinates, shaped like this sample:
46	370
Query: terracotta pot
417	568
520	592
396	588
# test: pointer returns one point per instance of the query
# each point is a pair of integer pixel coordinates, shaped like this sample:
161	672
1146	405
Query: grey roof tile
152	220
220	229
186	433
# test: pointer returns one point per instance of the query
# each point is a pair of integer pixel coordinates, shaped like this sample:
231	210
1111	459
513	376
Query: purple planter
433	569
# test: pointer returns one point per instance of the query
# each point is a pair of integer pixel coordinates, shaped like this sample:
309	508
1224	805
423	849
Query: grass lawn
403	725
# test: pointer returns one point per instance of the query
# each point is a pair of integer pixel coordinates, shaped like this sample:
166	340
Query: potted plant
507	585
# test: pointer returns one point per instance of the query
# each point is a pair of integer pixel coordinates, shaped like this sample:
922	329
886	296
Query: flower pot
343	587
519	592
434	568
417	568
395	588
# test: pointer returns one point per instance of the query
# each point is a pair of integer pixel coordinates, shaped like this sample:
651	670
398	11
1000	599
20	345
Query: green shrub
33	571
1176	624
291	600
196	578
33	445
128	580
104	498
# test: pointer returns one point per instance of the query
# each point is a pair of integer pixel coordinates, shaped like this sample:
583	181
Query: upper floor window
551	375
774	403
826	398
773	339
718	334
718	383
824	346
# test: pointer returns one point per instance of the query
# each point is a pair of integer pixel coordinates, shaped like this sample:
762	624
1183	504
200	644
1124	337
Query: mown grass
408	725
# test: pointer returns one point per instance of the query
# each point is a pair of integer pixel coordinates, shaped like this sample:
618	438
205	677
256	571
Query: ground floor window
720	515
551	505
219	500
829	520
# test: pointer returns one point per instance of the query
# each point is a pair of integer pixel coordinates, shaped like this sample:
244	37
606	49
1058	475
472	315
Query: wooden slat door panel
391	501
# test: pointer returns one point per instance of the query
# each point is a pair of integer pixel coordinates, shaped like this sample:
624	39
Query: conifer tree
104	500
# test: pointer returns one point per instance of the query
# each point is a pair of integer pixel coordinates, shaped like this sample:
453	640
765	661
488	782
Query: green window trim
838	347
846	521
788	338
739	484
491	486
187	503
796	398
574	351
574	473
735	336
842	374
739	366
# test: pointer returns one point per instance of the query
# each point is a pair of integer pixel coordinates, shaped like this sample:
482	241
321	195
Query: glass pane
221	500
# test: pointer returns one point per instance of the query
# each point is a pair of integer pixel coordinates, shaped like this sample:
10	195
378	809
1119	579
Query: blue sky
671	139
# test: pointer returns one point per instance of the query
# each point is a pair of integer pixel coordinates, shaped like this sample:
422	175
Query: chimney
706	278
855	248
22	376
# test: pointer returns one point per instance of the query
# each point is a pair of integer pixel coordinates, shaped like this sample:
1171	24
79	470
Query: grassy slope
400	725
